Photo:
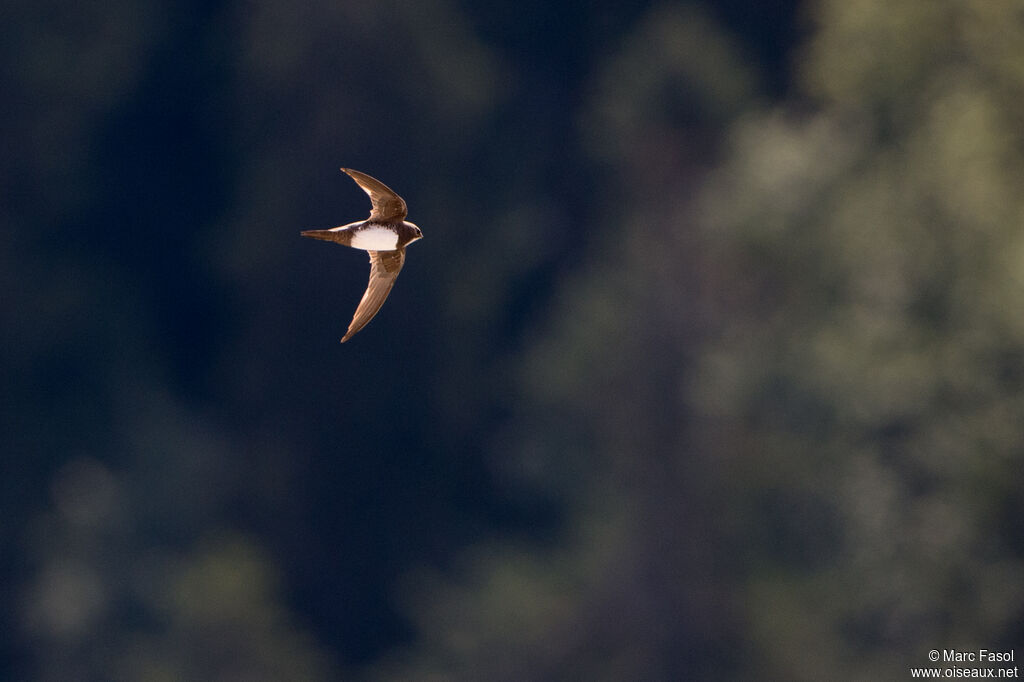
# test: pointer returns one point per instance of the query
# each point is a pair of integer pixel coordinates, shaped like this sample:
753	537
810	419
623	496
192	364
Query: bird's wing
384	269
387	206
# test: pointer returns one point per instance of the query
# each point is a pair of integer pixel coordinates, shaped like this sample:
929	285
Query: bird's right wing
384	269
387	206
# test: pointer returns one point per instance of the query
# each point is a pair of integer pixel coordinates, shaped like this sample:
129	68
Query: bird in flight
385	234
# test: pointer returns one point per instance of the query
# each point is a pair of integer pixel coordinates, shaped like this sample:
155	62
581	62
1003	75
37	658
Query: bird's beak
326	235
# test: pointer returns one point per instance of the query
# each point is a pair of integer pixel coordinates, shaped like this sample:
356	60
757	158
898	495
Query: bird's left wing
384	269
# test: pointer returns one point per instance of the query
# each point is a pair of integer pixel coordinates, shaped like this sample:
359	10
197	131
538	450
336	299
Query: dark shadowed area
710	364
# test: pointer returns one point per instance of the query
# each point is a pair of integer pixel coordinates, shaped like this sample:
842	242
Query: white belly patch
375	239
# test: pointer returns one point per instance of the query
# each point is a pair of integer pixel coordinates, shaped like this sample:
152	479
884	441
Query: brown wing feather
387	205
384	269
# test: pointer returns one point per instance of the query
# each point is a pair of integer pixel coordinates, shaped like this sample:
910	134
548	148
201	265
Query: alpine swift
385	234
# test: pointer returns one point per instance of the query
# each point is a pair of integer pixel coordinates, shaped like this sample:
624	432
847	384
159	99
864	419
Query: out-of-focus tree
784	406
873	362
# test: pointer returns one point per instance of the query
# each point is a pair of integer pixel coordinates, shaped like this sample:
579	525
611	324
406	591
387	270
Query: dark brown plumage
385	234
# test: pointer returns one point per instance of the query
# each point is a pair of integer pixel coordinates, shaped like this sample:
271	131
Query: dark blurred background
710	365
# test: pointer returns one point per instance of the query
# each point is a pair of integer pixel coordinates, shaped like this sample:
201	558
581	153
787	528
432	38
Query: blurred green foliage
693	376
